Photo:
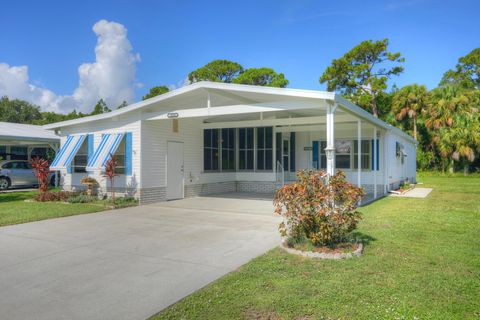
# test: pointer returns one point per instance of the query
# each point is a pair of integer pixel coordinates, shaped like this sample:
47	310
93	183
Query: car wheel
4	183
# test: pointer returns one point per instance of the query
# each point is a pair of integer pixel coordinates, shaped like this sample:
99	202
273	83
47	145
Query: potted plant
90	183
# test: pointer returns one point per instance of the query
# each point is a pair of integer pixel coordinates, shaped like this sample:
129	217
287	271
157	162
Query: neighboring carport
24	141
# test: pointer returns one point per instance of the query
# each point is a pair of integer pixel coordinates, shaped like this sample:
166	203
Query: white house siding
155	136
398	172
129	185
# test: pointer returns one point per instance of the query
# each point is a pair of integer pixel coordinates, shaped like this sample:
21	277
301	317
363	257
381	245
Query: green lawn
422	261
14	209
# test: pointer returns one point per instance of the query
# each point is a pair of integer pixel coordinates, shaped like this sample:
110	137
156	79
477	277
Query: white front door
175	179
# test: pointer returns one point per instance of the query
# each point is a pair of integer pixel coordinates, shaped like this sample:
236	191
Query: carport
23	141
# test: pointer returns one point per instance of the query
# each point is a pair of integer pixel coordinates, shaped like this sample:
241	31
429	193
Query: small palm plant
110	174
42	172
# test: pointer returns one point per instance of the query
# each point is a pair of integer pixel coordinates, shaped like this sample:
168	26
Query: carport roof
17	133
194	95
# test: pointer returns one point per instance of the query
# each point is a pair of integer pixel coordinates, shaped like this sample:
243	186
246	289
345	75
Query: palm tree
444	104
461	142
452	118
409	101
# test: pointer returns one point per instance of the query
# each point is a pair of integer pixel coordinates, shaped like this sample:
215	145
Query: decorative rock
323	255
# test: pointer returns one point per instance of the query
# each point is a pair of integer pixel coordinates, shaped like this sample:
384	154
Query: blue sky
172	38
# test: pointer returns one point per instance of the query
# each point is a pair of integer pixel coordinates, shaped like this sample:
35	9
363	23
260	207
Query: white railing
280	175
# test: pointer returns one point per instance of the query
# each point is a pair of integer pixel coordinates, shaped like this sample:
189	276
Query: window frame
210	148
226	149
120	170
84	153
353	155
369	154
246	149
261	132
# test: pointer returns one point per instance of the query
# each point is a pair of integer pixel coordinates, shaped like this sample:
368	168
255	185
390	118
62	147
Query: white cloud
14	83
111	76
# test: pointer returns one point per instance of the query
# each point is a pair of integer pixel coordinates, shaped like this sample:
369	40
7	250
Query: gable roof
236	89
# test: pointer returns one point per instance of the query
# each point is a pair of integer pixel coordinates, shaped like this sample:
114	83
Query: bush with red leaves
42	172
318	208
53	196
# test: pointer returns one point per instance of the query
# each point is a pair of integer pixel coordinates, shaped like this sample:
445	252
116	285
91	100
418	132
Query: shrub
53	196
81	198
42	172
125	202
319	209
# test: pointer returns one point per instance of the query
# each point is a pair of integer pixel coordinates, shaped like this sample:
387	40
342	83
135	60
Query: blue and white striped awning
108	146
64	157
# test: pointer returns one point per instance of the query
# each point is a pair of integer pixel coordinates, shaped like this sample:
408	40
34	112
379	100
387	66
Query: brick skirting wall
256	186
195	190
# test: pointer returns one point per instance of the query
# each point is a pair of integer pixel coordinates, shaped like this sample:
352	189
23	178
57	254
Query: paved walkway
128	263
415	193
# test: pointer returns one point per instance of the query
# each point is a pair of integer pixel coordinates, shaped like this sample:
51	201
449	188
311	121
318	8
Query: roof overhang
233	99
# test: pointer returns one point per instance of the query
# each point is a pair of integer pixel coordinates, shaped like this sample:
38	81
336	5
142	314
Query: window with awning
64	157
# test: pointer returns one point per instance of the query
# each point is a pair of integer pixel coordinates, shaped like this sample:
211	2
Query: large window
365	155
210	149
18	153
228	149
265	148
80	160
246	149
345	150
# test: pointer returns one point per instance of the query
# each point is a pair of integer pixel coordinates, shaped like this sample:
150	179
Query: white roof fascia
195	86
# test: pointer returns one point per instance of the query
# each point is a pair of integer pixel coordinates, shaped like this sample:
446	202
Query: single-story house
208	138
24	141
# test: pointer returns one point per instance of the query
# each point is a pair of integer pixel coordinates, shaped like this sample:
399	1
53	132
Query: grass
14	209
421	261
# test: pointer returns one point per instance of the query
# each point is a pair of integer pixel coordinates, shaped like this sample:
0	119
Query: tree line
445	120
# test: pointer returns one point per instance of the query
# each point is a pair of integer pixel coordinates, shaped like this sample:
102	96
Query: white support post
359	155
330	149
375	153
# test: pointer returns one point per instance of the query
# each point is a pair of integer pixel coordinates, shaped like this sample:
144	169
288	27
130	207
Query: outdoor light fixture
329	153
172	115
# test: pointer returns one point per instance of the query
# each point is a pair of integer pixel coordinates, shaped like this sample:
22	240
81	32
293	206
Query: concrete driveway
128	263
